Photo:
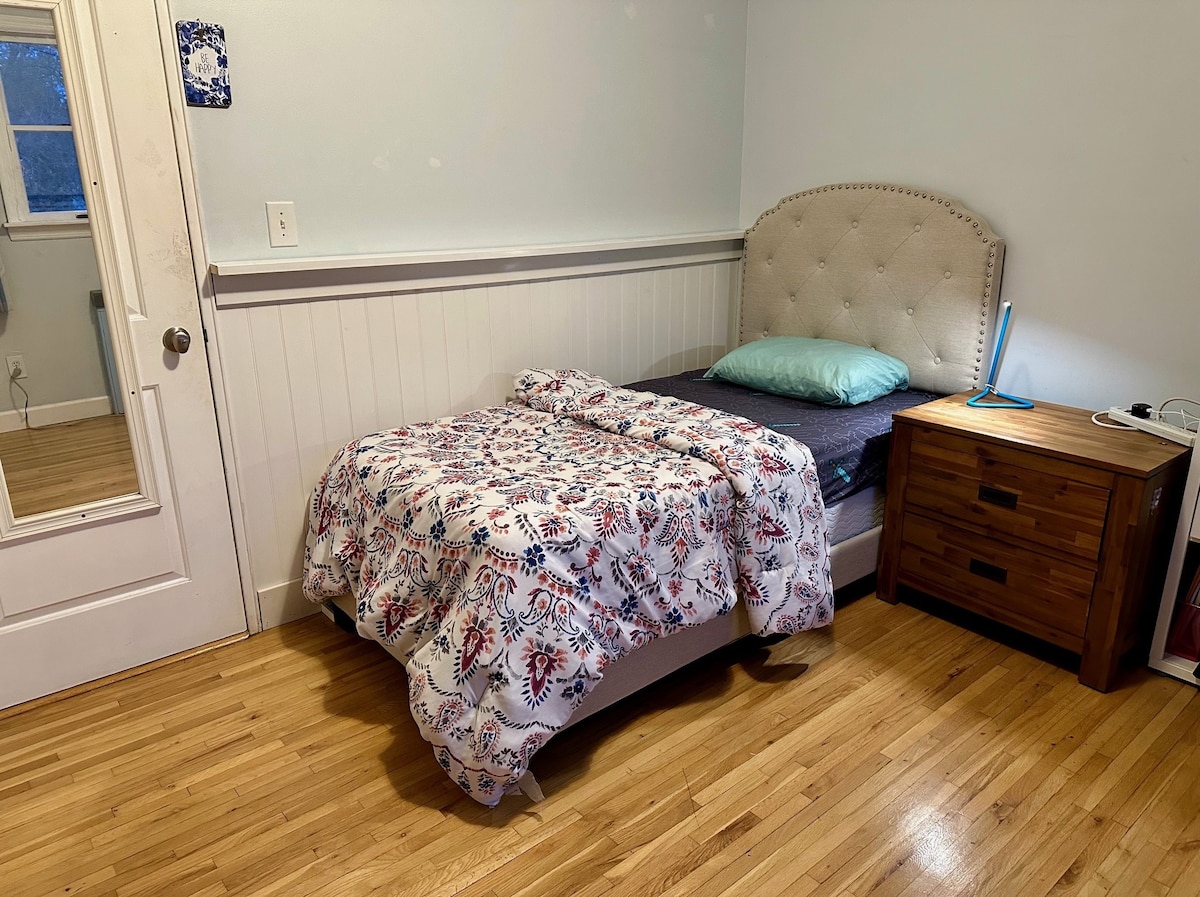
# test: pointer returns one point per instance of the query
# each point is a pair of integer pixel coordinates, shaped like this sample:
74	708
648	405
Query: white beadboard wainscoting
304	376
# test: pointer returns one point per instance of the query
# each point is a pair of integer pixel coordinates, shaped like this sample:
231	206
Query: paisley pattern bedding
507	556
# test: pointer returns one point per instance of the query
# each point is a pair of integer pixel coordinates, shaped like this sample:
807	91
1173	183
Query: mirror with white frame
64	437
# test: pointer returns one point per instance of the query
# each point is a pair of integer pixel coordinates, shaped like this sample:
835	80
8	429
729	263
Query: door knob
177	339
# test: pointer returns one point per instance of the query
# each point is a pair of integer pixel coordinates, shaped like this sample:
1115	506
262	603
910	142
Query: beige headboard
908	272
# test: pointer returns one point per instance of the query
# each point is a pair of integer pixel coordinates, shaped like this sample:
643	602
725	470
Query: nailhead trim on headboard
948	324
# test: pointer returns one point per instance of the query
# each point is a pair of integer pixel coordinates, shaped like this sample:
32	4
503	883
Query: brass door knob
177	339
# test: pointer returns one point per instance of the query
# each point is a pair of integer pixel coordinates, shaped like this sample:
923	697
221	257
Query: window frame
19	222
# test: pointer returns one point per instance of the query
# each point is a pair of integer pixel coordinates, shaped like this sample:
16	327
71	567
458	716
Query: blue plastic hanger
990	390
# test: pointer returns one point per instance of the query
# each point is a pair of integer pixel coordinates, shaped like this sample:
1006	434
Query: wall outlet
16	367
281	224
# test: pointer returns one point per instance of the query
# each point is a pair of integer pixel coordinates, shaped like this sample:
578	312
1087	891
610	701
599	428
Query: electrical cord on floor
12	381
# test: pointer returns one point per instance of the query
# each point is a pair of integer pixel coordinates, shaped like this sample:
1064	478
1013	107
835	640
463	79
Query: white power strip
1154	427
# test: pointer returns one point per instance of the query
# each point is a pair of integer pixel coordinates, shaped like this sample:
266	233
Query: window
39	170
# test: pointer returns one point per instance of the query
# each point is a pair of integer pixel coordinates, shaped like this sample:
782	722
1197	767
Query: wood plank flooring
67	464
895	754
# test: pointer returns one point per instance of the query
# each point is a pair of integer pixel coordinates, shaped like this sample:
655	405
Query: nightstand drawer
1051	507
1044	596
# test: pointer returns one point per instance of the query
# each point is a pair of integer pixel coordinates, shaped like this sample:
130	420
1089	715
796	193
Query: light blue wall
398	126
50	321
1071	126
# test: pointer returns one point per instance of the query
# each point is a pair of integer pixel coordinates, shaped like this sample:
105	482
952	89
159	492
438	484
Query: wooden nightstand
1037	519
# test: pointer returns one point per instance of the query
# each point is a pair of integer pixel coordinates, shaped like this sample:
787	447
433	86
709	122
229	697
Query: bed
905	271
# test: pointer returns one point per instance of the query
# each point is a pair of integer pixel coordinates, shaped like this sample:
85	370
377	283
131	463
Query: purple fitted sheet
850	444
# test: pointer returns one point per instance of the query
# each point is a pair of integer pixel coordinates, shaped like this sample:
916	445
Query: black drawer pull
1001	497
989	571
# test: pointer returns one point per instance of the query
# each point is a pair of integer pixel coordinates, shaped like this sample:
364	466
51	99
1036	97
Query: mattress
855	513
850	444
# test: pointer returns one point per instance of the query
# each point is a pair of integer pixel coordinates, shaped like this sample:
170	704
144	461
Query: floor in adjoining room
61	465
893	754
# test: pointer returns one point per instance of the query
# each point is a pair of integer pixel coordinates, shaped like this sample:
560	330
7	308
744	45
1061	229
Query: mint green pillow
820	370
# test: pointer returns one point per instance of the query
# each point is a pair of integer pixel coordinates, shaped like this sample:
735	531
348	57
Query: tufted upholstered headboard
906	271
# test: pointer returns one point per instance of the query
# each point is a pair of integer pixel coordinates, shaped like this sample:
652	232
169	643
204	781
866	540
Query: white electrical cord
1110	425
1188	421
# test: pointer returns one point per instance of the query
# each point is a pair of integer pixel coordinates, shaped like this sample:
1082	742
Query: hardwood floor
67	464
895	754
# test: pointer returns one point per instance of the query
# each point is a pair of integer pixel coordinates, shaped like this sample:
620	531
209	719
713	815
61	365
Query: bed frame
906	271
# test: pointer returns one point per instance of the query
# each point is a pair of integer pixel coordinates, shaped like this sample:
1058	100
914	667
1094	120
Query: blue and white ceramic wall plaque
205	65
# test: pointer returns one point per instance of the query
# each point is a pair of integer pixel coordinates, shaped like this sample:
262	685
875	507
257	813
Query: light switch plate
281	224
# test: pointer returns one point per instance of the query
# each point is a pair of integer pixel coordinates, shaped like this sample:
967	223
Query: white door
90	590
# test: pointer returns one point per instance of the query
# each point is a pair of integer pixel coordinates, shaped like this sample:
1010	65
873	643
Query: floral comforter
507	556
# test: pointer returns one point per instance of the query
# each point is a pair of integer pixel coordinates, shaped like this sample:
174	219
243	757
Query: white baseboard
284	603
56	413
